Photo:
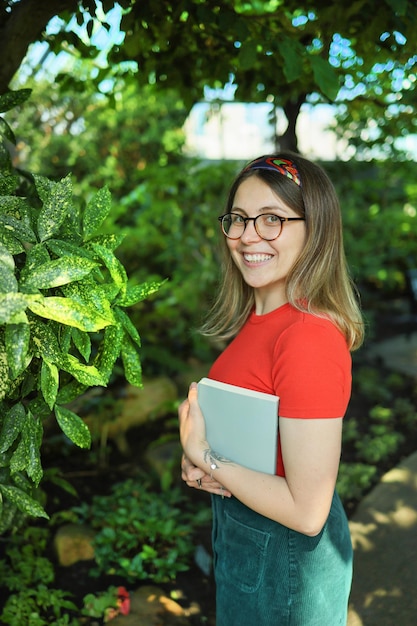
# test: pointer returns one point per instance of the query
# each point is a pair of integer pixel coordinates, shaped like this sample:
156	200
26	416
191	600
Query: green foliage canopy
279	51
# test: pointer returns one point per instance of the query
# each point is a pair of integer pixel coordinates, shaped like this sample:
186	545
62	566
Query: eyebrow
265	209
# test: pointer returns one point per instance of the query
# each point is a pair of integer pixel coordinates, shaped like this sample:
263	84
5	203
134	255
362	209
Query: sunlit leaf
44	342
10	304
85	374
24	503
17	344
116	269
56	199
67	311
136	294
82	342
73	427
111	241
96	212
49	382
59	272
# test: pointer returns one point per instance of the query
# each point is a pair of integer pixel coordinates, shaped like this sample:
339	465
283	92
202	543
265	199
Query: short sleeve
312	370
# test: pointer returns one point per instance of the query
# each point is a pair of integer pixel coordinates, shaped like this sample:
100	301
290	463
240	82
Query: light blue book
241	424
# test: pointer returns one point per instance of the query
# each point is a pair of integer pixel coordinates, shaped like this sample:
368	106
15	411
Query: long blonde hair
319	281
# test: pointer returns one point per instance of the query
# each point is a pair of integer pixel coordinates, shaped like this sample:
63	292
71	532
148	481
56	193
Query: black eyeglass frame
253	219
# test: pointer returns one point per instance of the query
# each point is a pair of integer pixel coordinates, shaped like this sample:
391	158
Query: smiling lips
257	258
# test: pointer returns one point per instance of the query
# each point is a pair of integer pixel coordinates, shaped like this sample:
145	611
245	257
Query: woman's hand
194	443
195	477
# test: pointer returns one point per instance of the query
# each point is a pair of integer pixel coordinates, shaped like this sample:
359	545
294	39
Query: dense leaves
284	53
59	287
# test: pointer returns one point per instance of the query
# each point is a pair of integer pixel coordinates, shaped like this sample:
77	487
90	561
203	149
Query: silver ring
198	481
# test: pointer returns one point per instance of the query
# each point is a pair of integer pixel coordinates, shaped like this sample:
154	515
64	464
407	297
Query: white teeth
257	258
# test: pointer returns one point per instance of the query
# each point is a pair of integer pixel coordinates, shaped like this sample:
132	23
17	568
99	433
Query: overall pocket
240	554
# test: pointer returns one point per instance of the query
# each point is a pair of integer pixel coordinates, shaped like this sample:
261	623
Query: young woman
281	543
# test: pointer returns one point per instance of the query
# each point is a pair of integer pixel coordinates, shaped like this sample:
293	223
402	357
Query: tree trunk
288	140
21	27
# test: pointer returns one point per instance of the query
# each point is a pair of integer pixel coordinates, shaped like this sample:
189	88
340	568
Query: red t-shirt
297	356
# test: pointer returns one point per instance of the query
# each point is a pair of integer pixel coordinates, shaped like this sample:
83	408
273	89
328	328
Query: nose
249	234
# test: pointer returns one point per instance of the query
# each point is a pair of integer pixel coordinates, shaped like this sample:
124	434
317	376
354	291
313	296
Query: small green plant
107	604
142	534
354	480
63	324
29	575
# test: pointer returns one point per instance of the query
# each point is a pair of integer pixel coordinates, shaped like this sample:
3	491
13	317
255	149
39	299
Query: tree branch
23	26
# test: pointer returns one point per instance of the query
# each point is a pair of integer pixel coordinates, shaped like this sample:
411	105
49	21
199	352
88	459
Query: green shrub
63	324
29	575
142	534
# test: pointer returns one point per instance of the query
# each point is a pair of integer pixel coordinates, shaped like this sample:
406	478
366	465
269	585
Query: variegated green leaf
95	297
24	503
96	212
70	392
18	229
36	256
26	457
109	350
12	99
111	241
57	198
65	248
19	457
44	342
8	280
65	334
17	345
17	207
6	259
4	371
49	382
85	374
10	304
136	294
10	242
82	342
12	425
67	311
73	427
6	131
127	325
131	363
8	183
59	272
116	269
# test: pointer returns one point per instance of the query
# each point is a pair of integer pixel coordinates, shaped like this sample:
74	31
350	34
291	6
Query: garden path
384	527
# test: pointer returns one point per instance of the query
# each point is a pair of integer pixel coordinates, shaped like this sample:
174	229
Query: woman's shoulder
312	330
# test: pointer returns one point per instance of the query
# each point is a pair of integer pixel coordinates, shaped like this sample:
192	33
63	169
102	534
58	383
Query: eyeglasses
267	225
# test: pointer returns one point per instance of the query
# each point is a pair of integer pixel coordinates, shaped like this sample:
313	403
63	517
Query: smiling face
265	265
